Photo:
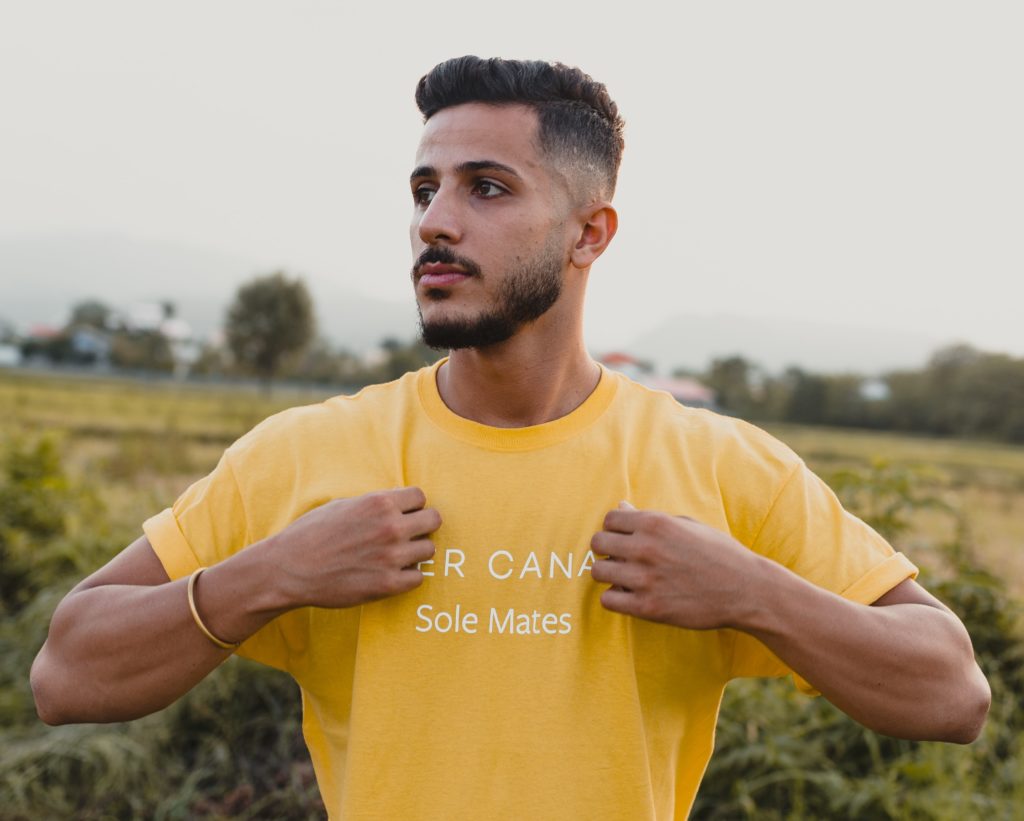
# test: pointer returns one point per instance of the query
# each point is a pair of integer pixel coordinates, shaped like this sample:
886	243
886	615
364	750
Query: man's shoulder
345	415
702	430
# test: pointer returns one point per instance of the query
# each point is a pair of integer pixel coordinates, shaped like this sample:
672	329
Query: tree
402	357
807	396
730	379
270	319
92	313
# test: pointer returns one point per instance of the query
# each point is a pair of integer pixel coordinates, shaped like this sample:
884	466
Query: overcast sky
859	163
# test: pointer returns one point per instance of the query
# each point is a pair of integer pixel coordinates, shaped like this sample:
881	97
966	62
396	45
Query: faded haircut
579	127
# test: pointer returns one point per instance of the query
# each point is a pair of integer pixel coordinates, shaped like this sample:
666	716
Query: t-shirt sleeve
807	530
205	526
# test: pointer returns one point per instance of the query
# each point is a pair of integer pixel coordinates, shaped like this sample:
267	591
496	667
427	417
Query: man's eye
423	195
488	189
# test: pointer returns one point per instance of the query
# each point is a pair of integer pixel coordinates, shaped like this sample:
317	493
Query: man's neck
524	381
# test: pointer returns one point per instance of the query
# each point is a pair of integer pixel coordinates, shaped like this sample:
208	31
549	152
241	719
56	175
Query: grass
982	481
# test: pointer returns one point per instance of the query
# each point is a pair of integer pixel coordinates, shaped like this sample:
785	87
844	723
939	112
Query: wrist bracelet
223	645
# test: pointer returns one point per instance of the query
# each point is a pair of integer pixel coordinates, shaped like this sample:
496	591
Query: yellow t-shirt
500	688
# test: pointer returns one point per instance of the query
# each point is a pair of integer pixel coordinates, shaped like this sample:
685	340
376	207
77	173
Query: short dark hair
579	126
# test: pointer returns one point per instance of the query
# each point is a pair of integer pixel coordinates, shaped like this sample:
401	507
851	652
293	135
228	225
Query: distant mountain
693	341
41	277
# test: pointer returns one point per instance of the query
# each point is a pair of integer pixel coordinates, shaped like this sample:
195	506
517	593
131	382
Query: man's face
488	230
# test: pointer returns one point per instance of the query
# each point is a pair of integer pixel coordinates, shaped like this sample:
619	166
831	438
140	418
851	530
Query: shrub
780	755
49	526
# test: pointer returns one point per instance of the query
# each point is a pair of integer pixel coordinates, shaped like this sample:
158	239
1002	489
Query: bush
50	527
231	748
780	755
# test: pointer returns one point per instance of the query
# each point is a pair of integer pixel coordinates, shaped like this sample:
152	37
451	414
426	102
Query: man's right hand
123	644
351	551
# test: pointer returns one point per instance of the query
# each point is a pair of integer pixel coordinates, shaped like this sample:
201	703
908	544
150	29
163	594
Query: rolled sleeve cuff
868	589
880	579
170	545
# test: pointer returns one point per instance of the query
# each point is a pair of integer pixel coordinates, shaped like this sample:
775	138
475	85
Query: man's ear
599	226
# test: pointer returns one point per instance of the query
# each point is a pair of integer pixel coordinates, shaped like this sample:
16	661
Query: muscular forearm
904	666
117	652
905	669
124	643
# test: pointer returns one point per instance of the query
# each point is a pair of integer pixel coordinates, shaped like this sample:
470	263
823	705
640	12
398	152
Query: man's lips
436	274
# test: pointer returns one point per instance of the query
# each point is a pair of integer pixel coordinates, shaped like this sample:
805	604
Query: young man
512	585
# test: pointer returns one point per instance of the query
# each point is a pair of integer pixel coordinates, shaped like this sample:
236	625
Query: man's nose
440	221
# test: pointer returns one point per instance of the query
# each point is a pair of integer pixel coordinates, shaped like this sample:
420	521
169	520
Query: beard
527	292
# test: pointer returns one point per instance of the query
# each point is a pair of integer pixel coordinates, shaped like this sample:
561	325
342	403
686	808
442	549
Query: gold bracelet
223	645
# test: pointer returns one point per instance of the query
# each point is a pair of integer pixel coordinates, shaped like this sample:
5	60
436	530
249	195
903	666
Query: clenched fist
673	569
351	551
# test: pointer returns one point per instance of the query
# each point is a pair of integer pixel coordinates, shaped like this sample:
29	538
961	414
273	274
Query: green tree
270	319
402	357
730	379
807	396
90	312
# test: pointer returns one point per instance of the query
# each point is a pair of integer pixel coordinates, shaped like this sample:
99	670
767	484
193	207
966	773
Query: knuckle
370	505
390	584
383	503
388	531
401	581
646	608
644	551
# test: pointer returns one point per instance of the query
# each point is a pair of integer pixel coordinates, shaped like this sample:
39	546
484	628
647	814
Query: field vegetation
84	461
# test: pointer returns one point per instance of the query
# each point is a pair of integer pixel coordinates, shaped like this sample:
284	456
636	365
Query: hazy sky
859	163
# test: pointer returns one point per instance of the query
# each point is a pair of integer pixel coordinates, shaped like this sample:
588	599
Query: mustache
446	256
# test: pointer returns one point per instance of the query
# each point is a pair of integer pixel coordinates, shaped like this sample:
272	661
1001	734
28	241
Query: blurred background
204	216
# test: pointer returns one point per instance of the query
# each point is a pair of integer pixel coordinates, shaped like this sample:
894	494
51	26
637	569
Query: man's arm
904	667
123	643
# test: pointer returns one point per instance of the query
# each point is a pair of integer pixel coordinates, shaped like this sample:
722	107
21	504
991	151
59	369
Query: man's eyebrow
422	171
486	165
465	168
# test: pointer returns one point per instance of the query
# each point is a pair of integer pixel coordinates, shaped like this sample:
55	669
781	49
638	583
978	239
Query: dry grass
983	481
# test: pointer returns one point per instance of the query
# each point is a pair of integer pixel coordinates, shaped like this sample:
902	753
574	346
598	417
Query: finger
413	552
616	545
420	522
618	574
619	601
408	498
621	520
624	505
406	579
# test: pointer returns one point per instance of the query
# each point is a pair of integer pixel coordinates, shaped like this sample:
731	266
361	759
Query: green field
119	451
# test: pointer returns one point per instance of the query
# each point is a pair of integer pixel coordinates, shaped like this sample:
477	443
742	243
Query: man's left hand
673	569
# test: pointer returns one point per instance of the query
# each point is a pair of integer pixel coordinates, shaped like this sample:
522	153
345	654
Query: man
512	585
